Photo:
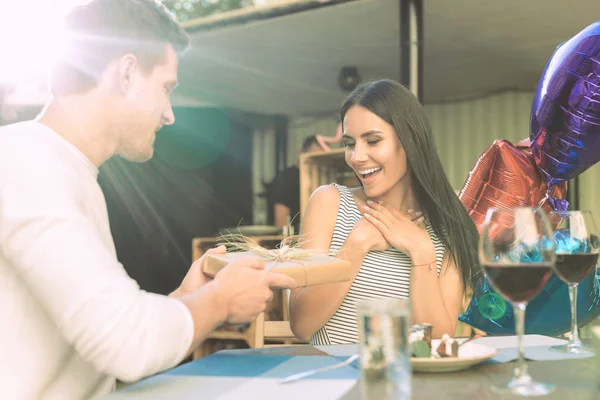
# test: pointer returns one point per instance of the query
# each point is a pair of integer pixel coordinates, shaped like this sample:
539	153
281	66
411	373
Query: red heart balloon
506	175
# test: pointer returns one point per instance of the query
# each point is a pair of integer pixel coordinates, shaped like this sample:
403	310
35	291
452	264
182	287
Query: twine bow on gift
288	250
285	253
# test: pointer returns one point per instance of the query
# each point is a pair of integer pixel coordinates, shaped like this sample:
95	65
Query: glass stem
521	374
574	341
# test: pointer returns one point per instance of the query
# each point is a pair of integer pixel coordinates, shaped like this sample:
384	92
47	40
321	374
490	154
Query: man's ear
127	68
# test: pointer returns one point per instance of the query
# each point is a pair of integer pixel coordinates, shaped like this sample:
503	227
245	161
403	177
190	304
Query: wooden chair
271	331
279	331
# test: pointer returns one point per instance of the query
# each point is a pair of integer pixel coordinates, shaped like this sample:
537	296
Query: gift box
307	271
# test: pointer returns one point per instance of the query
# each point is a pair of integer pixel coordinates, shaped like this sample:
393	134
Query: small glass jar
384	326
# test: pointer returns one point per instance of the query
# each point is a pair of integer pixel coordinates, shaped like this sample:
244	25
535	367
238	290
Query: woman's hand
367	236
406	233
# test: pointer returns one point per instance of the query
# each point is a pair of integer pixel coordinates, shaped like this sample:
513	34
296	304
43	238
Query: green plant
186	10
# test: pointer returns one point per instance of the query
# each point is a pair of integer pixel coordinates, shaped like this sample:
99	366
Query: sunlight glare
30	38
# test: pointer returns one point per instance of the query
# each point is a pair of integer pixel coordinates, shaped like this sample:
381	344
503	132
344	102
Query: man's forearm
208	311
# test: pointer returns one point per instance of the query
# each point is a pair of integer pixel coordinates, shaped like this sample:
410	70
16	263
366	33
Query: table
574	379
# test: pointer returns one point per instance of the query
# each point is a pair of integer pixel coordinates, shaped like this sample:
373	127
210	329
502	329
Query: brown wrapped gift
307	271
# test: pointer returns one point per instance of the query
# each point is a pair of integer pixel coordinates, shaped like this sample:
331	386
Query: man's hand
246	289
195	278
238	294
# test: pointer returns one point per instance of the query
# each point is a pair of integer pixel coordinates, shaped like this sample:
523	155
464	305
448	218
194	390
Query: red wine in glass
575	267
518	282
517	255
576	252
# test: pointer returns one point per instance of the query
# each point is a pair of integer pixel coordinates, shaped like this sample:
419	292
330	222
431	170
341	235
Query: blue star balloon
549	313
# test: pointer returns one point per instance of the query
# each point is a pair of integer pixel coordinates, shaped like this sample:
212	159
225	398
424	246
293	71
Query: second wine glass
516	252
577	251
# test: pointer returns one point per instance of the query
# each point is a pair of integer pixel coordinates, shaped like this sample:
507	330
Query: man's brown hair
100	31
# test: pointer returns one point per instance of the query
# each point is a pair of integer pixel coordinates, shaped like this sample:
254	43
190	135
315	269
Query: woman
404	230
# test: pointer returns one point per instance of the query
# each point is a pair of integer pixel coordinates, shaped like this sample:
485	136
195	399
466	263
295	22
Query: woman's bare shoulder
325	196
318	222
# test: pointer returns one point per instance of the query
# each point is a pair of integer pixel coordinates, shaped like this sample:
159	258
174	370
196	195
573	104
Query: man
72	320
286	189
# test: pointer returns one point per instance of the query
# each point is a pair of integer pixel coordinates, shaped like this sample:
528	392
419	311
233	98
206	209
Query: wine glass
577	250
516	252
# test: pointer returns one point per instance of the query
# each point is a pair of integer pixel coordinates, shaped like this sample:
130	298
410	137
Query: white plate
469	354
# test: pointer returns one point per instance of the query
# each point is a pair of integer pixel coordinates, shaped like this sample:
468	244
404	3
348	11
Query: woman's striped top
383	274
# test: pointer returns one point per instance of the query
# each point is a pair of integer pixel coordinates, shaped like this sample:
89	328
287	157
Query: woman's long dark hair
397	106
